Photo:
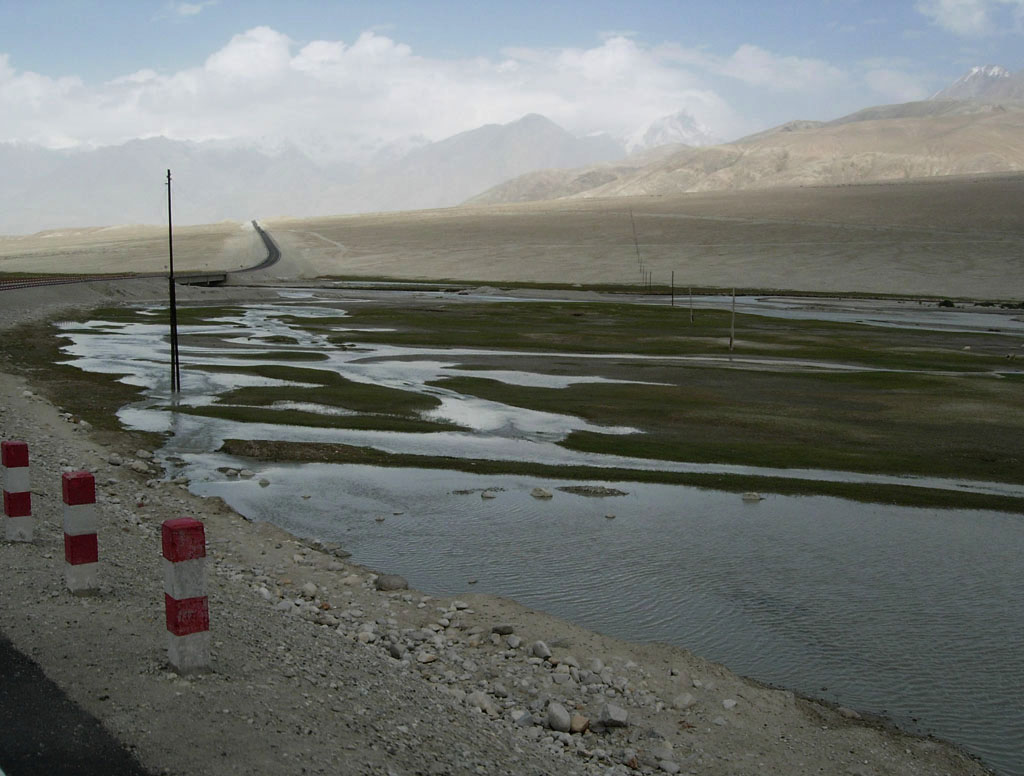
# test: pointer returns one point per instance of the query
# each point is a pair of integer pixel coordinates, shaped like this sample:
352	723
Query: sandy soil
117	249
314	670
959	237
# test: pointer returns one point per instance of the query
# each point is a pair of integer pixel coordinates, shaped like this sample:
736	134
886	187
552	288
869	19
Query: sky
341	79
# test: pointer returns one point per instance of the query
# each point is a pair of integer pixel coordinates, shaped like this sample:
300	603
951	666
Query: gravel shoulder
316	670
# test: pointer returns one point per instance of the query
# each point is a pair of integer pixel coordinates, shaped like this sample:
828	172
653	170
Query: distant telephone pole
172	302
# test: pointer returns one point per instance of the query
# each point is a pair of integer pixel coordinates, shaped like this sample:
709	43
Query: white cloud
192	9
974	18
895	85
355	97
759	67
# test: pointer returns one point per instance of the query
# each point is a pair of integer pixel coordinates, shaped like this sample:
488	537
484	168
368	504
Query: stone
309	590
459	605
578	724
684	701
388	582
668	766
522	717
426	657
613	715
513	642
558	717
115	460
397	650
848	713
541	650
729	703
139	466
488	494
144	454
264	482
246	474
542	493
481	700
502	630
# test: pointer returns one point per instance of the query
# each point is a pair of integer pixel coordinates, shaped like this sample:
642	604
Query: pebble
558	717
613	715
389	582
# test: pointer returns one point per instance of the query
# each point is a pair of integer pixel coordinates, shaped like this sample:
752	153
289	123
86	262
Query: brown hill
897	142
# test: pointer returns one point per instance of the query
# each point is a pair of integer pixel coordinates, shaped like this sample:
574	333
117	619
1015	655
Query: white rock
144	454
729	703
684	701
488	494
542	493
484	702
247	474
540	649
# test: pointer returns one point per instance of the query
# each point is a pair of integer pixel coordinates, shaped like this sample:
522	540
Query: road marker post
81	546
186	604
17	491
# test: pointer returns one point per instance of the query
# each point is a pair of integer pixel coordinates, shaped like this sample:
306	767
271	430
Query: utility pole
172	302
732	325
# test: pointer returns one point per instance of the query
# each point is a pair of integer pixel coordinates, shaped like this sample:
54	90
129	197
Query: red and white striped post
81	547
186	604
17	491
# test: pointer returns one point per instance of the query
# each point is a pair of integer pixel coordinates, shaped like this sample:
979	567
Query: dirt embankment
316	670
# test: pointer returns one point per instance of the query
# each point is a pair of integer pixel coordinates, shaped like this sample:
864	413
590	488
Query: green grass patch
871	422
869	493
331	389
287	417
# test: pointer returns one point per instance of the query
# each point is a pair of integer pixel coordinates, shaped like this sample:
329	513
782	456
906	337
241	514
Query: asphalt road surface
42	733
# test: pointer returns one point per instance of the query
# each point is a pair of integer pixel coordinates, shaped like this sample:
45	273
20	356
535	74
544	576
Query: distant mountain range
973	126
976	125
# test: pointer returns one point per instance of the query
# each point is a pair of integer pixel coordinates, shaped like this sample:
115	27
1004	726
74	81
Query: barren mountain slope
937	139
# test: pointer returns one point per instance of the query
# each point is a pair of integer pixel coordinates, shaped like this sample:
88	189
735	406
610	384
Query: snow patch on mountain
676	128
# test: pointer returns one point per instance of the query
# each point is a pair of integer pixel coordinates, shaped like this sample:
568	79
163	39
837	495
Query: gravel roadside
317	670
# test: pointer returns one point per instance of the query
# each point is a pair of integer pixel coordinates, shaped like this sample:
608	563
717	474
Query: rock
543	493
513	642
264	482
597	665
426	657
488	494
144	455
609	516
540	649
481	700
522	717
668	766
729	703
139	466
751	496
246	474
115	460
558	718
309	590
388	582
459	605
397	650
684	701
503	629
613	715
578	724
848	713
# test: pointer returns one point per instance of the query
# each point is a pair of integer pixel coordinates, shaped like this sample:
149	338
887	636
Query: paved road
42	733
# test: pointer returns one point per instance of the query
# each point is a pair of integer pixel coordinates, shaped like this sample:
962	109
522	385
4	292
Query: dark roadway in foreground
43	733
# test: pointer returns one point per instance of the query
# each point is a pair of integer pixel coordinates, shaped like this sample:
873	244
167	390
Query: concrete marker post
81	546
17	491
186	604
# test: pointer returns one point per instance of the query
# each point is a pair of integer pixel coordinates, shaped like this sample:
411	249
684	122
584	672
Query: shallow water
911	613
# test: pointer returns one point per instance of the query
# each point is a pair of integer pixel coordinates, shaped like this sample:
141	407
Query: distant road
194	278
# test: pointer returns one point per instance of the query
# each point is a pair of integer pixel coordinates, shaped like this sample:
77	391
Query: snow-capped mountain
985	82
676	128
